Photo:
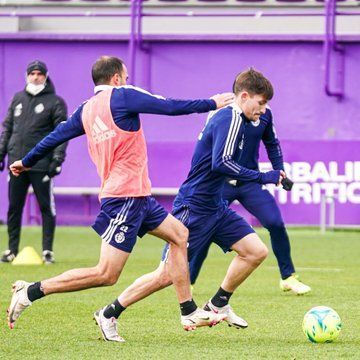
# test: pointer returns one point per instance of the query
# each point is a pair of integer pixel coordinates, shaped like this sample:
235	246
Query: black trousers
18	187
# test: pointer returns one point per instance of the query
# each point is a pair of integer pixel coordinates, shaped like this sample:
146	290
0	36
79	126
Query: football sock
187	307
221	298
35	291
114	310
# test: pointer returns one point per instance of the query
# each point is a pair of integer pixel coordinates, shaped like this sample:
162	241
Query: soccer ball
321	324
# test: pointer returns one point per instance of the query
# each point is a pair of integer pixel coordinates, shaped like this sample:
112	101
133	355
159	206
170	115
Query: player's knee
106	277
111	279
262	253
258	254
182	235
275	225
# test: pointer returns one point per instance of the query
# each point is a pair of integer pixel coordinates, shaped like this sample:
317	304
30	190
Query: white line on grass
311	269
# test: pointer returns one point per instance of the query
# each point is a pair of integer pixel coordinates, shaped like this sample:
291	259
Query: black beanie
37	65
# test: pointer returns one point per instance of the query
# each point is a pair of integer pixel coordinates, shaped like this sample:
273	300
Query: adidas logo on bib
100	132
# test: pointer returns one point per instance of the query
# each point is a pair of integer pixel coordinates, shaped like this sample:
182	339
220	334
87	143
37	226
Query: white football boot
107	326
19	301
200	318
230	317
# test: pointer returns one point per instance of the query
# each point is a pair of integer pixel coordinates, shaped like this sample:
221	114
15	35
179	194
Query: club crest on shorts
119	237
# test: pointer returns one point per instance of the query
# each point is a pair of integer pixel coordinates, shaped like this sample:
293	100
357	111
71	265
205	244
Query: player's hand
282	176
17	168
287	184
223	99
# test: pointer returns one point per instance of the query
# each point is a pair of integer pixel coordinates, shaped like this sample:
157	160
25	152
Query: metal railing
331	44
169	3
327	201
137	13
331	48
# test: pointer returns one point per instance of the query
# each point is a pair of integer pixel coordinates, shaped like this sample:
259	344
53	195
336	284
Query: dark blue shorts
121	220
223	227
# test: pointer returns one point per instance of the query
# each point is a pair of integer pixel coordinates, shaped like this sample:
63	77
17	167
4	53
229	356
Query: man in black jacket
33	114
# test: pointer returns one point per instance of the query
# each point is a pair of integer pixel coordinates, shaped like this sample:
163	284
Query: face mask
35	89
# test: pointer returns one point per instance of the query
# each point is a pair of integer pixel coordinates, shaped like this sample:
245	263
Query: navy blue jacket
255	132
217	157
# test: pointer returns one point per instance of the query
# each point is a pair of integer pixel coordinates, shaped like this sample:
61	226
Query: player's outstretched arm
223	99
137	100
17	168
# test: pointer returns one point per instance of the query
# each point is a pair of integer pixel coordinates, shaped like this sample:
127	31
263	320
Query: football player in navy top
200	206
256	199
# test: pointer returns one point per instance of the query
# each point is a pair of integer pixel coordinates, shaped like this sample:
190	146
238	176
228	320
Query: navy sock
221	298
114	310
187	307
35	291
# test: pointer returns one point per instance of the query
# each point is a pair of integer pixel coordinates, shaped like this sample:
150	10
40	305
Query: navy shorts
223	227
121	220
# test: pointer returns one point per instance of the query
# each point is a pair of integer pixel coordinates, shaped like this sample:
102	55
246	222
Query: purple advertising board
317	168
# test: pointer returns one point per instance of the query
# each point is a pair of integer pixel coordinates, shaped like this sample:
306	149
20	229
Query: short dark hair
254	82
105	68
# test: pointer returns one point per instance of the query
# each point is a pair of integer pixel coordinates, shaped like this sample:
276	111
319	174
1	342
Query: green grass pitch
61	326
